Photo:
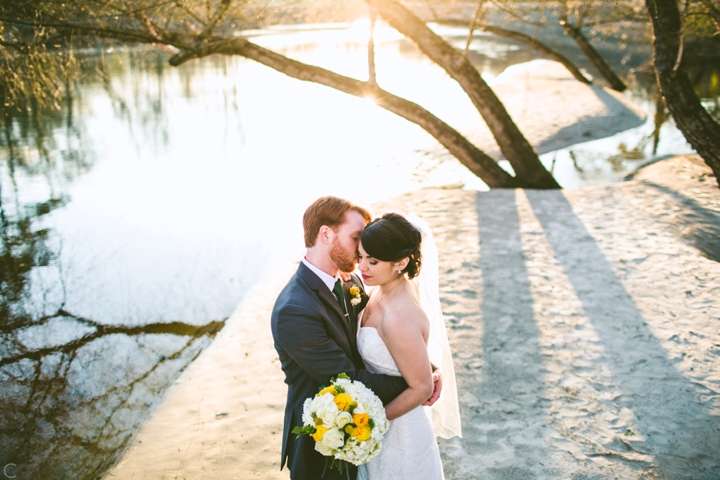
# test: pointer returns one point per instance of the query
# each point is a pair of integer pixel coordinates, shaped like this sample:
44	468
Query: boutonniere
357	297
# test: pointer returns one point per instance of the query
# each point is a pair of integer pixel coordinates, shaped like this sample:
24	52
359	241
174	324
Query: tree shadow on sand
698	226
512	405
680	433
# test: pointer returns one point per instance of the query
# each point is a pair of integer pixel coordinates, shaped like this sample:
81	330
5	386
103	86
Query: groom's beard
342	258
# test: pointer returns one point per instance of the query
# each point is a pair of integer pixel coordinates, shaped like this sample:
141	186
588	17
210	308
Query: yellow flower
354	290
330	389
362	433
319	433
343	401
361	419
349	429
318	421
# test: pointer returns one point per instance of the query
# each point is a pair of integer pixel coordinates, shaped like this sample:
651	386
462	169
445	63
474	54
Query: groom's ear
325	235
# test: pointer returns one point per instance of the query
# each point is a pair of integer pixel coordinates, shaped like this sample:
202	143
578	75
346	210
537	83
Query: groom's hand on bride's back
437	388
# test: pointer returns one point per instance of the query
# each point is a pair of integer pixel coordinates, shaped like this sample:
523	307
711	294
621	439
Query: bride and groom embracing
392	340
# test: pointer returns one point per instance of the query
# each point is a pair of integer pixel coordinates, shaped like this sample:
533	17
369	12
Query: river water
136	217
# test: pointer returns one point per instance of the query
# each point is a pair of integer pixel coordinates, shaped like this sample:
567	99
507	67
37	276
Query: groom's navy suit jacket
315	341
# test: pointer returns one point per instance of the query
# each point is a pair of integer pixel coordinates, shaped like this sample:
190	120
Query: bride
401	332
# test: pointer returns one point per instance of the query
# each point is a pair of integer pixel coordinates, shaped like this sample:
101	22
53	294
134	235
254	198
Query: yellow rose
362	433
343	401
361	419
354	290
319	433
330	389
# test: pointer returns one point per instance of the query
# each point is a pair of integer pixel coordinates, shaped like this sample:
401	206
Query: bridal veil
446	411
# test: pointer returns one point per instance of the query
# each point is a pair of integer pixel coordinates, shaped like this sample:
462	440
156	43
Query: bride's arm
402	332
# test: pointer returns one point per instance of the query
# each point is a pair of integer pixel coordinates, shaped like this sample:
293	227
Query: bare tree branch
469	155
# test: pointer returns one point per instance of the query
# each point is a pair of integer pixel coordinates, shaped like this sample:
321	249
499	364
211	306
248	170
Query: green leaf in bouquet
304	430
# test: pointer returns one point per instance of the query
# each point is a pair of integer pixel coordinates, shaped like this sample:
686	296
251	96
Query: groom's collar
326	278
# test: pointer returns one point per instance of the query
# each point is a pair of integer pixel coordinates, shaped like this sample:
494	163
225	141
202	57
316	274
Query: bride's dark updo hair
391	238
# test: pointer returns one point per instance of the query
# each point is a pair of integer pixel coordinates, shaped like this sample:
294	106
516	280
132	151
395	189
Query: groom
314	326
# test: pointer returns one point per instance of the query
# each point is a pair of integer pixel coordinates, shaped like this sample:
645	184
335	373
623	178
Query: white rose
333	439
323	449
343	418
324	401
343	382
322	404
315	404
327	416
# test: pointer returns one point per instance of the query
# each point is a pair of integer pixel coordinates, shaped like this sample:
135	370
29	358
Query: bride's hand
437	388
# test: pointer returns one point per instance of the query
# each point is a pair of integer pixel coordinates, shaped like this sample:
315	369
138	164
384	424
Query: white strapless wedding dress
409	450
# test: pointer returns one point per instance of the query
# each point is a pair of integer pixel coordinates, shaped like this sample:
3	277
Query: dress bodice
375	353
409	450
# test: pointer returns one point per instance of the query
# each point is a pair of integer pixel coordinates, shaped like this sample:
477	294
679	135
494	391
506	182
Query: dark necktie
338	291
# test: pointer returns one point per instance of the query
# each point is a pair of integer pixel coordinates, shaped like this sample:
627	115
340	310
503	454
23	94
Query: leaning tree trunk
592	54
692	119
468	154
529	170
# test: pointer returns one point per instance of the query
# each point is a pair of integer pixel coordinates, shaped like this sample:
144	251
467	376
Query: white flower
355	302
322	402
324	408
328	416
307	413
333	439
320	447
343	382
343	418
353	391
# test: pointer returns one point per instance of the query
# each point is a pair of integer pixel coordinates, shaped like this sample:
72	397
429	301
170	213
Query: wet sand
584	326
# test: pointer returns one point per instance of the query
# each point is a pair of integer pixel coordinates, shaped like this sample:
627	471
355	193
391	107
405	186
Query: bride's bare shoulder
405	313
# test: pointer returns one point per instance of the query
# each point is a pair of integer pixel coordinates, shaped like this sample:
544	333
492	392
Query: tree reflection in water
72	390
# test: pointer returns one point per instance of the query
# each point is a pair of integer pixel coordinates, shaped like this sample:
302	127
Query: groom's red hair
329	211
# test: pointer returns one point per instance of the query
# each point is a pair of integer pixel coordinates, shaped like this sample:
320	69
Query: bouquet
346	420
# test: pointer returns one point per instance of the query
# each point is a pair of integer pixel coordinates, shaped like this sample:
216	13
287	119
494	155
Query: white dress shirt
326	278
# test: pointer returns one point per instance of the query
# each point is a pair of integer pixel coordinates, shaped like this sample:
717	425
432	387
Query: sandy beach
583	324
